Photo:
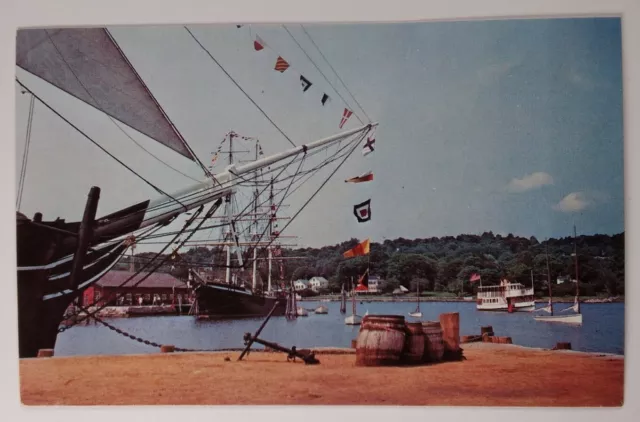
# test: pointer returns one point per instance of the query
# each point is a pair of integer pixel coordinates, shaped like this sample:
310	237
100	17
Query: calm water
602	329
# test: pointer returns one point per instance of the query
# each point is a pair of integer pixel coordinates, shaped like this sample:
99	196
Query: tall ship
57	260
505	297
249	240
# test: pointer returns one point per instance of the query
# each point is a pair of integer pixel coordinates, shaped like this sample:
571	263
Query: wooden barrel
380	340
450	323
470	339
413	344
488	329
433	346
563	346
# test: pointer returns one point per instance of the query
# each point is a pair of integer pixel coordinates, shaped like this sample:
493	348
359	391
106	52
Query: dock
491	375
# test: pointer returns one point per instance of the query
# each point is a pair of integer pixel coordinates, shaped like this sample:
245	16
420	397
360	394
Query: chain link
148	342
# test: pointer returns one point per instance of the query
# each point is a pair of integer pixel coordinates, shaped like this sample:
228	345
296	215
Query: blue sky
512	126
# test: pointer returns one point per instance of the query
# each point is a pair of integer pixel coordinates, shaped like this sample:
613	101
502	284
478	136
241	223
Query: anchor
308	357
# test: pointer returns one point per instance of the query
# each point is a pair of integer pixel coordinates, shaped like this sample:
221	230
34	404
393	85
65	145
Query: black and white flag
363	211
306	83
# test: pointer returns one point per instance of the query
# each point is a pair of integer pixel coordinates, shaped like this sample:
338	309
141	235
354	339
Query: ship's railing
512	290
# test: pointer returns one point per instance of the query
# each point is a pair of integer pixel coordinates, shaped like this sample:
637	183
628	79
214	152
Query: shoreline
490	375
366	299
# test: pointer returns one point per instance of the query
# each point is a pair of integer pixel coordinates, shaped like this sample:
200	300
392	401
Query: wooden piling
562	346
450	323
488	330
45	353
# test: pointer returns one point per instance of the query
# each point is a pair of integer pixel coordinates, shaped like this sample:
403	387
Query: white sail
87	64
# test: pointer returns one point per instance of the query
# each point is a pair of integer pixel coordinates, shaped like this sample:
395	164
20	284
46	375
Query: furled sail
88	64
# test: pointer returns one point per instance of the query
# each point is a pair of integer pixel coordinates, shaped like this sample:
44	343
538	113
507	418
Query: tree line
445	264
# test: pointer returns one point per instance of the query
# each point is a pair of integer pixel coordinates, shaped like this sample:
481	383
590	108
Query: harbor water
602	329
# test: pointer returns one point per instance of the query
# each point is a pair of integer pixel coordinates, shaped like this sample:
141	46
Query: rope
239	87
334	71
98	145
213	208
110	118
323	75
25	156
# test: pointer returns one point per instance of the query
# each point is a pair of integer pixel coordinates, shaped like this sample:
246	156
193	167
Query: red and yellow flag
361	249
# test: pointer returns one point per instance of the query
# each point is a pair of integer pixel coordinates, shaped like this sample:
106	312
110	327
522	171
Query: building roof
154	281
319	279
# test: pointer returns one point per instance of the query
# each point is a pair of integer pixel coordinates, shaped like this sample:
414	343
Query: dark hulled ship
58	260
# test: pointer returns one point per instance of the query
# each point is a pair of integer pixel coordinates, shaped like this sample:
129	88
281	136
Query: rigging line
110	118
322	73
98	145
209	212
150	153
239	87
164	114
324	183
25	156
310	174
356	141
334	71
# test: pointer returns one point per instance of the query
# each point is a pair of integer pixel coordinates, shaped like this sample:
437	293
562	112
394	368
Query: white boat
302	312
575	316
505	297
322	310
417	313
353	320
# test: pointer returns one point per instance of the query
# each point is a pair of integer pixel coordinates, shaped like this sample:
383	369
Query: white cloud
578	201
531	181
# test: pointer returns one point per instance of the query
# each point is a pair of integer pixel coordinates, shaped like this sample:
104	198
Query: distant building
300	285
563	279
318	283
375	284
158	288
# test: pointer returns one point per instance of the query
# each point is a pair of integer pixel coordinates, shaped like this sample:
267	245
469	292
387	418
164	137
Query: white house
300	285
318	283
375	285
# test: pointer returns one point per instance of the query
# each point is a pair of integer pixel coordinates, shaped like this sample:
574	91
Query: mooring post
246	349
85	233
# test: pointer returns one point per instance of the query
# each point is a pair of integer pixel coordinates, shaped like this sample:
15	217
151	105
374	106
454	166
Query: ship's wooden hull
222	301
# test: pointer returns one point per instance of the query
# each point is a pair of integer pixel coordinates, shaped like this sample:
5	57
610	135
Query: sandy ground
491	375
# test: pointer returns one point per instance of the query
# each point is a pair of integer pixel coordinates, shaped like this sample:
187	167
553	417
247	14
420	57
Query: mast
353	296
418	294
575	254
549	279
272	216
255	223
229	214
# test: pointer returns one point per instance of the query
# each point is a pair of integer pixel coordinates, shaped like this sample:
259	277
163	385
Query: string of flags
282	65
362	212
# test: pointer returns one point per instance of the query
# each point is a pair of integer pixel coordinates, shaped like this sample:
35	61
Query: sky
511	126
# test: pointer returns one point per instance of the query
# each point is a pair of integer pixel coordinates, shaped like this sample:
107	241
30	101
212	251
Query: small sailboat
354	319
322	310
343	301
572	318
417	313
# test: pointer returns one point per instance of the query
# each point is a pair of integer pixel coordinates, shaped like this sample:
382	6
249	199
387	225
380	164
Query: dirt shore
491	375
